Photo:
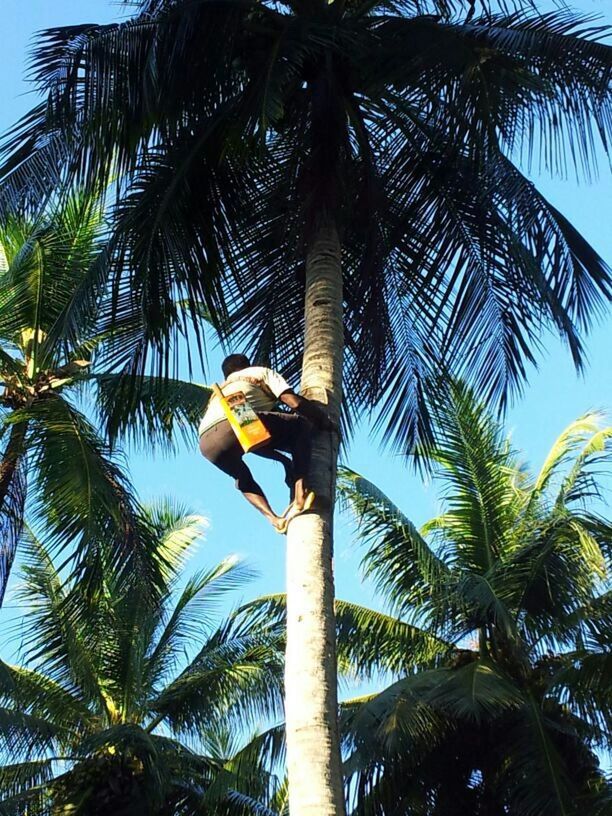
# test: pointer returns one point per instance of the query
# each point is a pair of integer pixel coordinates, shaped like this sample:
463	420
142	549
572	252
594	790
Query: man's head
235	362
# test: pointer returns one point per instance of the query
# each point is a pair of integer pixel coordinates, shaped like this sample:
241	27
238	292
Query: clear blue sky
554	396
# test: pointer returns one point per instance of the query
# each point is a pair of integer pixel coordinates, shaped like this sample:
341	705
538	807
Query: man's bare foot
279	523
300	495
296	510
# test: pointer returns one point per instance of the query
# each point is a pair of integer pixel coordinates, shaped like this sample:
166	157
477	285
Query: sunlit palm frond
53	259
83	493
580	486
176	532
478	475
575	437
410	564
370	642
192	614
55	635
233	676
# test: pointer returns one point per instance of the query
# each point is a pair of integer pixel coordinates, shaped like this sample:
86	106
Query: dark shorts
290	433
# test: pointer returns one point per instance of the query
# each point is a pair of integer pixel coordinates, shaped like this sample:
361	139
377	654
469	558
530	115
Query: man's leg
276	456
253	493
220	446
292	433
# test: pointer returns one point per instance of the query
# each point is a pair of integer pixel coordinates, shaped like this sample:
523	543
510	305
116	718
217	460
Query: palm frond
477	469
13	487
477	691
481	260
37	693
234	675
370	642
410	565
398	718
581	681
580	485
84	496
192	614
553	576
176	531
88	708
590	624
158	411
22	777
24	735
538	774
528	79
56	637
55	257
574	438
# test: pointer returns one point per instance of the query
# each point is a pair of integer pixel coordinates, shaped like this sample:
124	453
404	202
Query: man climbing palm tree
263	388
343	170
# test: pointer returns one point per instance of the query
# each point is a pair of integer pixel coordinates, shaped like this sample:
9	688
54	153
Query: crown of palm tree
119	707
232	128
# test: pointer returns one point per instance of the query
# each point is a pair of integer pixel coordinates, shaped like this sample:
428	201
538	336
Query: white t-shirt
261	386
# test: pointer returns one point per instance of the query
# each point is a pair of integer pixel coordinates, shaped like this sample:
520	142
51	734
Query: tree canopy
499	644
121	707
229	127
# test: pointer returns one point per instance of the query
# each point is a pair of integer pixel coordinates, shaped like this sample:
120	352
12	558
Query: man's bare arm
311	410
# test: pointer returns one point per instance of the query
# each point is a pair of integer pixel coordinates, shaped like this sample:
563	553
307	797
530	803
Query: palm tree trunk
311	702
9	531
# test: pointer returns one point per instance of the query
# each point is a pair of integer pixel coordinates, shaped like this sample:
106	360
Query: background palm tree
51	274
120	709
372	141
54	324
500	638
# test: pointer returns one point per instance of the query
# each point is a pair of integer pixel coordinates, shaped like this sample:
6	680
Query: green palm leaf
370	641
393	535
158	411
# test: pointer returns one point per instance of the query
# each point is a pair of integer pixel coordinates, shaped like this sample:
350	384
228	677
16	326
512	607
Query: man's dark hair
235	362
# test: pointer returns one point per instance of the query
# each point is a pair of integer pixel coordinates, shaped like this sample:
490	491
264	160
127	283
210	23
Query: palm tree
499	639
54	323
116	709
50	279
371	143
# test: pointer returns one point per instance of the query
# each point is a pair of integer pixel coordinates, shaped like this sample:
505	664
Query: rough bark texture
311	705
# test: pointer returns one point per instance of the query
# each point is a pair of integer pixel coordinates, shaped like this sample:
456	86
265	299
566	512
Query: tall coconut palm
116	709
499	638
54	326
343	170
50	279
